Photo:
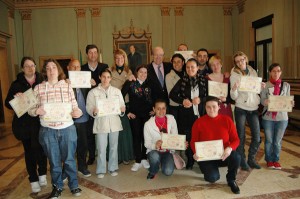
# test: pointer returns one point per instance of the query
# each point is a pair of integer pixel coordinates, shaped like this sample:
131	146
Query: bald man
157	71
81	123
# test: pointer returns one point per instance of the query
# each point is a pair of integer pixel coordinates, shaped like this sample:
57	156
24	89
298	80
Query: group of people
161	97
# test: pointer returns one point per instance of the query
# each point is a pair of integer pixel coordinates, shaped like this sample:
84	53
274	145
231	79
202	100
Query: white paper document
57	112
250	84
280	103
209	150
171	141
80	79
108	106
217	89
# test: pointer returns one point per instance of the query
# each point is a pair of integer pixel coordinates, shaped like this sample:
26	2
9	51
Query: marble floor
183	184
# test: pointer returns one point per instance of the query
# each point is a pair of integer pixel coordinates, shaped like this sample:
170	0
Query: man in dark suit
157	71
96	68
134	58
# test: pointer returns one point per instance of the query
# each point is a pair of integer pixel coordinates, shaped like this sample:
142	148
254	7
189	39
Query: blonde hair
123	53
213	58
235	67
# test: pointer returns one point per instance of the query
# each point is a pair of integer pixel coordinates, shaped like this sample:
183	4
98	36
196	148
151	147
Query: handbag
178	161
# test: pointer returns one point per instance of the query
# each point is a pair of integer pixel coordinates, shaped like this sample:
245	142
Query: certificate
217	89
23	103
108	106
80	79
250	84
58	112
186	54
280	103
209	150
171	141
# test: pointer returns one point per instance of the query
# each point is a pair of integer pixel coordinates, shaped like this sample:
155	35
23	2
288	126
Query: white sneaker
136	166
43	180
101	175
35	187
145	164
113	173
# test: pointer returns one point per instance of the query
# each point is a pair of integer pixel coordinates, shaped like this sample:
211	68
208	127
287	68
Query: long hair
235	67
61	74
123	53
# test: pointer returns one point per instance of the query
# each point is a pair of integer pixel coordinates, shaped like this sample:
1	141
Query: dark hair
25	59
178	56
140	67
159	101
273	66
61	74
194	60
105	71
212	98
90	46
202	49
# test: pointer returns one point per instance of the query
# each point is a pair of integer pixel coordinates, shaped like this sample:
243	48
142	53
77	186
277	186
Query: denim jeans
60	147
241	116
165	159
274	131
101	143
210	169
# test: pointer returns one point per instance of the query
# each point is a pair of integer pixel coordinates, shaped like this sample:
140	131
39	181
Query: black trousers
91	139
35	159
137	129
82	145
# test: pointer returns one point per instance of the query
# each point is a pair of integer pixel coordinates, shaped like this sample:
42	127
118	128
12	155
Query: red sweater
221	127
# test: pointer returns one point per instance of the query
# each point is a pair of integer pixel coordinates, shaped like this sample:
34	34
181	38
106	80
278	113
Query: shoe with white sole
35	187
145	164
113	173
101	175
43	180
136	166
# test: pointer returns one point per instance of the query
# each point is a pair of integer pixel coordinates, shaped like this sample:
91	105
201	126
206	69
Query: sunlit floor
263	183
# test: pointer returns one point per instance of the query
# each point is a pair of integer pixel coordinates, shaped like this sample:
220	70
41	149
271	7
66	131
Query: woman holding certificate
190	93
246	105
274	123
213	127
105	103
56	107
26	128
215	64
120	73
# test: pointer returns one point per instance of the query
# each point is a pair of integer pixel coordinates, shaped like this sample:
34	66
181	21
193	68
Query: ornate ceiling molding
165	11
178	11
95	12
241	5
26	14
227	11
11	13
80	12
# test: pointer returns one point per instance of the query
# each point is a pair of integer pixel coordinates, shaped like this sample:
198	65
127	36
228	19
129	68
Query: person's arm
90	103
36	110
233	136
195	133
149	144
76	112
264	97
10	96
175	93
234	83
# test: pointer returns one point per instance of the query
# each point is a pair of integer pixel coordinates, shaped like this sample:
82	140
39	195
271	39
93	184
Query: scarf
276	84
119	69
193	81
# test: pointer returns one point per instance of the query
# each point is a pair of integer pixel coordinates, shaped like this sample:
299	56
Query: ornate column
228	41
96	29
81	33
241	26
27	33
166	32
12	43
179	25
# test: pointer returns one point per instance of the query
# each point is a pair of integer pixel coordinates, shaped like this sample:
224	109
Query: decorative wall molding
165	11
178	11
126	32
26	14
11	13
227	11
241	6
95	12
80	12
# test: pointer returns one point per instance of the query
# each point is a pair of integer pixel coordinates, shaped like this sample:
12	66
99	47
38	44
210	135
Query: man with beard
202	58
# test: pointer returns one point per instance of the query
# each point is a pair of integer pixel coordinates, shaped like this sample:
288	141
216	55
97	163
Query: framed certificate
250	84
186	54
280	103
171	141
80	79
217	89
23	103
108	106
57	112
209	150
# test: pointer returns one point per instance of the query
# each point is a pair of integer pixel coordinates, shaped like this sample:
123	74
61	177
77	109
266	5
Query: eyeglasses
29	66
239	61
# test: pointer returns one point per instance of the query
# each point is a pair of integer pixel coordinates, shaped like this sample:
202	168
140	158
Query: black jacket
25	127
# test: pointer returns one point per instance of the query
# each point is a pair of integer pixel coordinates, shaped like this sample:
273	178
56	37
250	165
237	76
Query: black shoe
55	193
76	192
90	161
234	187
150	176
85	173
253	164
244	165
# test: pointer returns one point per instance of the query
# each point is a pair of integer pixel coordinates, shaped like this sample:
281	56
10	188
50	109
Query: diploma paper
80	79
186	54
23	103
170	141
280	103
57	112
209	150
250	84
108	107
217	89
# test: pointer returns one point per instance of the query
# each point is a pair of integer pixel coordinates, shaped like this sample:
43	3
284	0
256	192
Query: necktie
160	77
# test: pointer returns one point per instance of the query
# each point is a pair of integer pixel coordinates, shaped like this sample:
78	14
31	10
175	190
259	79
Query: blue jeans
241	116
60	147
274	131
164	158
101	143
